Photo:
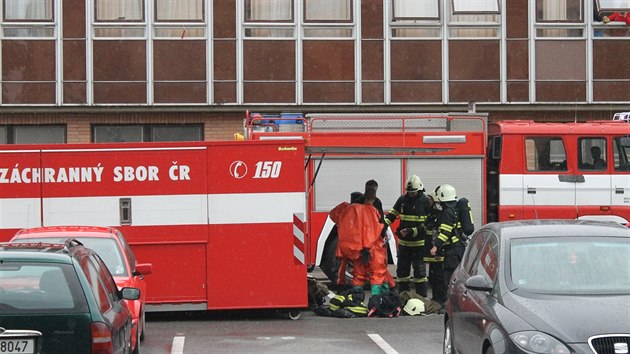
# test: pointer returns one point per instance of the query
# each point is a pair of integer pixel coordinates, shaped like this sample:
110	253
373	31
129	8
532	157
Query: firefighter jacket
413	213
448	238
448	234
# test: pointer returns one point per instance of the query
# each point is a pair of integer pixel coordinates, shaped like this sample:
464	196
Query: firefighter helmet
414	307
414	184
446	193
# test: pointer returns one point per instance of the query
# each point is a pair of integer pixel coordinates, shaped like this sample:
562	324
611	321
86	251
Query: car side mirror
143	269
130	293
479	283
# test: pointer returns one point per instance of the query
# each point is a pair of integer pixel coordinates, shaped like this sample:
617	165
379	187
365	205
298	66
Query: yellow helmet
414	307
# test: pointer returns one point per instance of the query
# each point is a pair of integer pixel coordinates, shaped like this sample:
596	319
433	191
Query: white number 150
268	169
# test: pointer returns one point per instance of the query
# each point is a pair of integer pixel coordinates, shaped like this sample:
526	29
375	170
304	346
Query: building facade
152	70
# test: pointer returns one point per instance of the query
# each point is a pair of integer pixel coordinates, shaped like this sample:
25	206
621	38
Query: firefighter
412	209
448	240
436	270
360	242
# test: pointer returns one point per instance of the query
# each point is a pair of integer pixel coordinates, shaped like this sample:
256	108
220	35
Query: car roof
557	228
67	231
41	252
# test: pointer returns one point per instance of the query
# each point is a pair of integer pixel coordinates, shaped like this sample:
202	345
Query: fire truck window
621	151
545	154
592	154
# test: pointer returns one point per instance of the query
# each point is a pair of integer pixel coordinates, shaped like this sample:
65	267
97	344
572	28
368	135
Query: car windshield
40	288
106	248
577	265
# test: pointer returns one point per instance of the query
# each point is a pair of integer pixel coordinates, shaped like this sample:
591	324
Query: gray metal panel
465	174
338	178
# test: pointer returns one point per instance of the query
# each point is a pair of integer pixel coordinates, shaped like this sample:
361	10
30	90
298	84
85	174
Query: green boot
376	289
384	288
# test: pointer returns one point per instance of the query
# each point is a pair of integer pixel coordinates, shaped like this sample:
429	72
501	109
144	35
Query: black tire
136	350
294	315
447	343
142	319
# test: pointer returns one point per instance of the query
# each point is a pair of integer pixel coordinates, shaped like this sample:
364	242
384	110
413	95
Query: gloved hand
605	19
365	256
388	235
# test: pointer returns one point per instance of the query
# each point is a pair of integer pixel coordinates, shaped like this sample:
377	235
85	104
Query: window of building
545	154
119	19
28	10
28	19
119	11
32	134
328	19
559	11
269	19
146	133
268	10
474	19
612	5
477	6
592	154
179	11
179	19
416	19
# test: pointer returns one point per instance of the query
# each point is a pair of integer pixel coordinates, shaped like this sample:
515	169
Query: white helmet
414	307
434	194
414	184
446	193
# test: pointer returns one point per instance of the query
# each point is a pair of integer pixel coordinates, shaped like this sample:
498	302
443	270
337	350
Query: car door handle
571	178
531	190
619	190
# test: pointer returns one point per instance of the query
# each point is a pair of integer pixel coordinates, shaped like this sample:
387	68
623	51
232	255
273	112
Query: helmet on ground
414	307
446	193
414	184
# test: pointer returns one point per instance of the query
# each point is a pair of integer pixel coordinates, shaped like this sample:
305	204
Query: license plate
12	346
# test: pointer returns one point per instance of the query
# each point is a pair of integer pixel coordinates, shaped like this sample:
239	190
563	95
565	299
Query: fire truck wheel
294	314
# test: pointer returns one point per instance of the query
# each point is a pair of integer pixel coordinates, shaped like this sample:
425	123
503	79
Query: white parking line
178	345
382	343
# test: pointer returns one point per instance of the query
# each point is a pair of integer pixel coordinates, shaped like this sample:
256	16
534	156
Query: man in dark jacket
412	208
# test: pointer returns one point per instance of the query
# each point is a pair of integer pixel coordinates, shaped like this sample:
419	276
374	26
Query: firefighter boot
421	289
403	286
376	289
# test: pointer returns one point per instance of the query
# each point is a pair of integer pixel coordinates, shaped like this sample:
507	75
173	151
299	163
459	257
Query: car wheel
448	339
136	350
294	315
143	325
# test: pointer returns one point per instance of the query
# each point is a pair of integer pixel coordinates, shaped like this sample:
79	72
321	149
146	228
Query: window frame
331	21
146	131
611	9
30	20
537	158
408	18
196	21
464	12
142	20
604	153
247	5
579	21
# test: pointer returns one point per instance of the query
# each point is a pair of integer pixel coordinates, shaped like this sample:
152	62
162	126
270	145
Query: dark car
61	298
110	244
541	286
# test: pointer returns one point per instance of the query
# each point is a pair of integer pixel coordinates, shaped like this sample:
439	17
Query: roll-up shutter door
338	177
465	174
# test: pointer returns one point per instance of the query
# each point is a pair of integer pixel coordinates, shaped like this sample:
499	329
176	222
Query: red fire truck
214	218
508	170
234	225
